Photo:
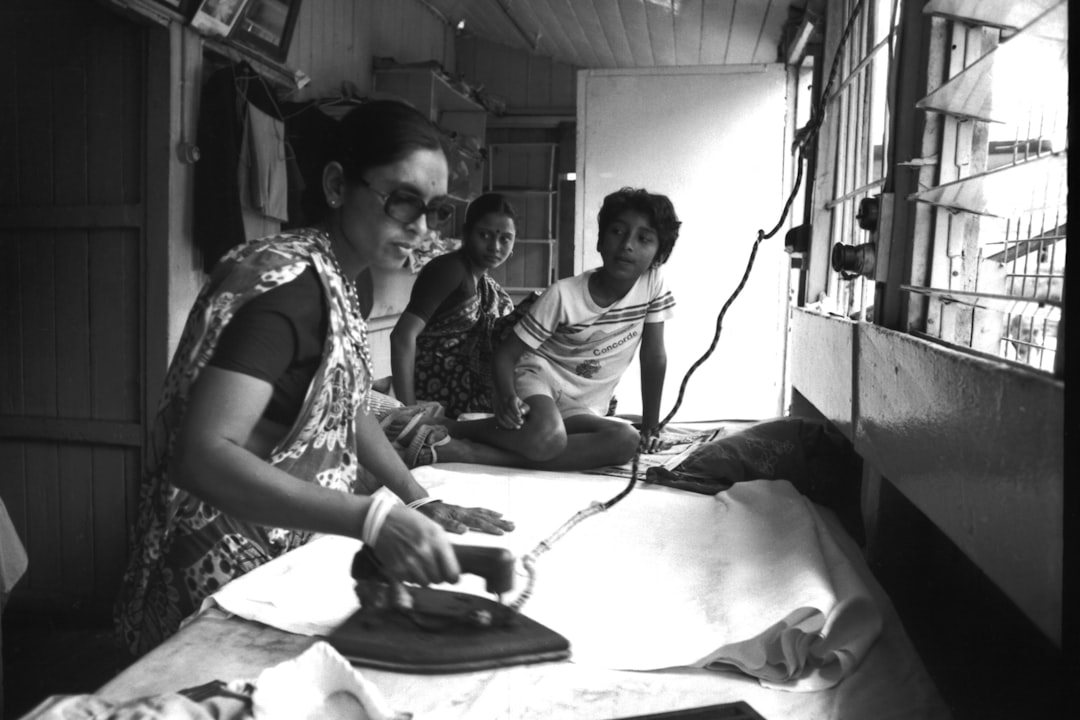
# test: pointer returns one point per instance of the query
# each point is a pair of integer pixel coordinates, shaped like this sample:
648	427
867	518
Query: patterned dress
454	351
183	549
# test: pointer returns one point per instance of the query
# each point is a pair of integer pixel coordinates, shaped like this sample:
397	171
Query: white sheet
666	578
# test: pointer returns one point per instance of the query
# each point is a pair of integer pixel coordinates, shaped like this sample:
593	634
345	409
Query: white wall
712	139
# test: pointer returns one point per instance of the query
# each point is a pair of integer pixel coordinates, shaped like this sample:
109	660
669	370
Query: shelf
1009	82
427	89
525	191
537	118
536	241
460	118
1006	192
994	13
525	171
523	145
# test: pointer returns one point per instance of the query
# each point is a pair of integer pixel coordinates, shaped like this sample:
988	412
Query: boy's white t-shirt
583	349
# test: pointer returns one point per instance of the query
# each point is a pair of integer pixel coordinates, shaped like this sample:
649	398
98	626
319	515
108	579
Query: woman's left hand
457	519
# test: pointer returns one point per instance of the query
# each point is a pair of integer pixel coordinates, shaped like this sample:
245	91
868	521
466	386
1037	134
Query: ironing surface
309	591
746	579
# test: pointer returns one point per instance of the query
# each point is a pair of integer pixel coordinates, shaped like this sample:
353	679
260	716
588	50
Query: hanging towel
264	185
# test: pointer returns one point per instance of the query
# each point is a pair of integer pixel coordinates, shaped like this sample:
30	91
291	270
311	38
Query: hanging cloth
262	173
226	95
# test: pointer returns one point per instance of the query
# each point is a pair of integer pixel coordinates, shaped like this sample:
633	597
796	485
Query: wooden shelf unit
526	173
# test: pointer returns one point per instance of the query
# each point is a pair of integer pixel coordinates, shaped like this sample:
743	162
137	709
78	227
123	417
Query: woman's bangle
380	507
421	502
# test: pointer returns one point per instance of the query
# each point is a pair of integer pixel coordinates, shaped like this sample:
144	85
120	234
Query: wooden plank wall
71	289
530	84
974	444
526	171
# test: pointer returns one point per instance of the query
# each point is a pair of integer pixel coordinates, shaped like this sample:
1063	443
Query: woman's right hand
412	548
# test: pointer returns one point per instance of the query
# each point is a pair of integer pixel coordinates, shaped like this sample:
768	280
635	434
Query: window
853	155
991	276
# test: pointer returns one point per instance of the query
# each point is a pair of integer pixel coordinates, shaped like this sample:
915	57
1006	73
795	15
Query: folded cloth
13	561
810	646
317	684
307	591
749	579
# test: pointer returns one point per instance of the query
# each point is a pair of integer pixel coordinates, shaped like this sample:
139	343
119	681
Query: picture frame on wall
266	26
218	17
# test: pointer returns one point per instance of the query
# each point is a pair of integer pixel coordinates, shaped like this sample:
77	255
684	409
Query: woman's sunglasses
407	207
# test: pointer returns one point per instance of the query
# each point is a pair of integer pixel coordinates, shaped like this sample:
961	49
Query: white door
713	140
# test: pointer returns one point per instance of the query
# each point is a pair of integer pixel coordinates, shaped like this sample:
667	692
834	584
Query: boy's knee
544	441
624	441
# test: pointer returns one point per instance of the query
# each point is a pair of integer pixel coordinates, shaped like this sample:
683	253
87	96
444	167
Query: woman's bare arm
220	458
403	356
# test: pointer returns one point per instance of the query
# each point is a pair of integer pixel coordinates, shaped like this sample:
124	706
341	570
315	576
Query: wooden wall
530	84
72	290
974	444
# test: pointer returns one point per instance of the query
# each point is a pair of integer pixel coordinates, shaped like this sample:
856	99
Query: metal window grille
860	109
997	259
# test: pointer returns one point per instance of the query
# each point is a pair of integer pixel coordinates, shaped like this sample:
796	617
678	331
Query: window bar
972	299
866	126
1039	348
858	91
1053	250
1026	274
847	103
850	76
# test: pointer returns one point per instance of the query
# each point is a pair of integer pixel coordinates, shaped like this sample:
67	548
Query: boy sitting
556	372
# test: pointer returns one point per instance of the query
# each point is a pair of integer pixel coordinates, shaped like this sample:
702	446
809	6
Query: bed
671	600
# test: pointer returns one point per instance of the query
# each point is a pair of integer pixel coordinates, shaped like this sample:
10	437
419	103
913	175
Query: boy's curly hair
658	208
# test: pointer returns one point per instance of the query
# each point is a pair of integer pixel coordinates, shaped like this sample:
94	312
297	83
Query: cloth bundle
810	454
318	684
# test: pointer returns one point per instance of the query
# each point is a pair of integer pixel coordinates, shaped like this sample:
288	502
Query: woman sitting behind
263	436
442	346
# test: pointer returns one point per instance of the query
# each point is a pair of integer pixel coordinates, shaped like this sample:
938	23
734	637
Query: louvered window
991	275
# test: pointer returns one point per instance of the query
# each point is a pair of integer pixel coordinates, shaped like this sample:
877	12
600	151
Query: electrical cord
803	139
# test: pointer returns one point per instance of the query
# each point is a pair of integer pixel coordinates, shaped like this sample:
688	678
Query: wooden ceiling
628	33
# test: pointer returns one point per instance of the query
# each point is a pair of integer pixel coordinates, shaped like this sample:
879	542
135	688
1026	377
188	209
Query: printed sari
455	350
184	549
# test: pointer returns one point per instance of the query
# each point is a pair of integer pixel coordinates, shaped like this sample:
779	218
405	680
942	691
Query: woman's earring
333	202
